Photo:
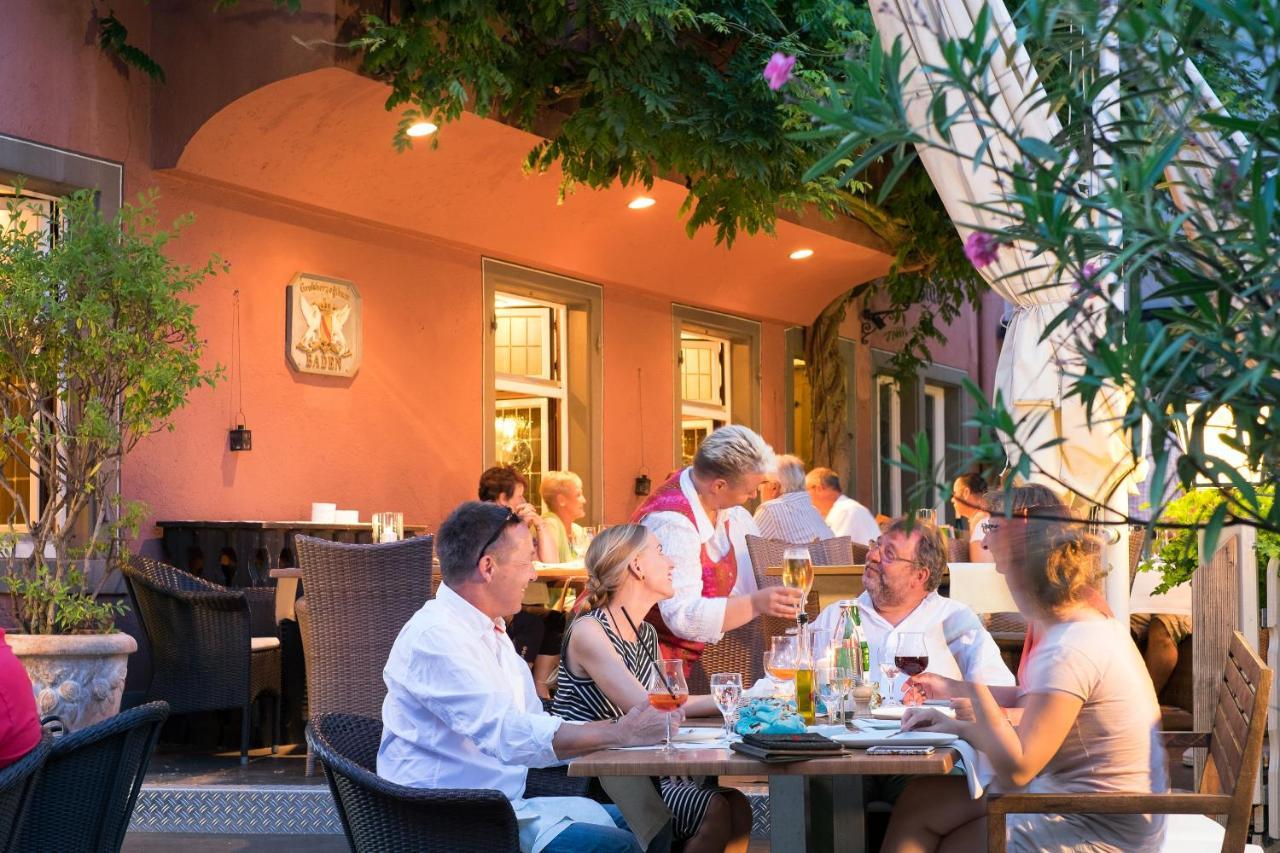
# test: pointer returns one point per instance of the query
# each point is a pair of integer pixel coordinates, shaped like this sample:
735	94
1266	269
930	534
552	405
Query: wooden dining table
814	805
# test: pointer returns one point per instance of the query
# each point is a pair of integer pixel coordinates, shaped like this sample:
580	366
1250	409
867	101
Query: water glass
387	526
726	690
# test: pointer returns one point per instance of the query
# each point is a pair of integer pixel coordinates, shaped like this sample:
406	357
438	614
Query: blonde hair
557	483
607	559
1060	558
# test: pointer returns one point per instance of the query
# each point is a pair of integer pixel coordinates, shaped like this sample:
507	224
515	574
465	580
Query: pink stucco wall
406	432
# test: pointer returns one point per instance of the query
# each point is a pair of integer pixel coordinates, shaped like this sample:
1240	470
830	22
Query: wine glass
797	573
780	660
667	692
910	655
929	515
726	690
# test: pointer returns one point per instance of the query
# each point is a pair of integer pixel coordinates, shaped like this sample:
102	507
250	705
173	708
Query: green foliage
1171	251
113	38
1178	555
74	610
98	348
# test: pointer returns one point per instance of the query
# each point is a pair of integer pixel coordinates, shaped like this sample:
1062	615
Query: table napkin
978	771
640	803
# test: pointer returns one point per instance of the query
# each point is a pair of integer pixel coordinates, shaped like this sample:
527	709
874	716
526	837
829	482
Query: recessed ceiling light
640	202
801	254
421	128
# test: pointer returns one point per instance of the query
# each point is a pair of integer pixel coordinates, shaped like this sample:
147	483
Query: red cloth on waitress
718	576
19	725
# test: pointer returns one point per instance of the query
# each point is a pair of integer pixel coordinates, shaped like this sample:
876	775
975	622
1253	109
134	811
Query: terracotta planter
80	678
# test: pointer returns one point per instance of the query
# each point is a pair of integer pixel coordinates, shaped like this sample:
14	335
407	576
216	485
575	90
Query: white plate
862	740
895	712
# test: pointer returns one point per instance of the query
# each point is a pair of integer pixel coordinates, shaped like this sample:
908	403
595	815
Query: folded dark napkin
778	749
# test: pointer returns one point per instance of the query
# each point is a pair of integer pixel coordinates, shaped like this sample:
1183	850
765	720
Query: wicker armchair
203	653
381	817
86	792
837	551
740	650
17	783
358	597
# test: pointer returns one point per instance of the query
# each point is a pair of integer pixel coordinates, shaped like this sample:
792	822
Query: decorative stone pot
78	677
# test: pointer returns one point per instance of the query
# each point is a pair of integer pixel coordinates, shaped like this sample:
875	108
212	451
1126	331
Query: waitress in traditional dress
698	518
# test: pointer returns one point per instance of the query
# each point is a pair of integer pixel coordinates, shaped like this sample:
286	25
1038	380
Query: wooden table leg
788	814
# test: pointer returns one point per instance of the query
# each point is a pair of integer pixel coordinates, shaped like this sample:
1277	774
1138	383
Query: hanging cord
236	362
640	389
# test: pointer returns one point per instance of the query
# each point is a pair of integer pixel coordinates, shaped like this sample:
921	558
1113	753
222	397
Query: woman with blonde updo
1090	721
605	666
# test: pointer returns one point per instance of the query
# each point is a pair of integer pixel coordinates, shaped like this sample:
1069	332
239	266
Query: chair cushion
262	644
1196	833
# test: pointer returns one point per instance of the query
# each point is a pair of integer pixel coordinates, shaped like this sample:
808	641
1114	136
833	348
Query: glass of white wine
797	573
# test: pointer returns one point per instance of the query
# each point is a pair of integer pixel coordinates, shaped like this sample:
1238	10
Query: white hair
733	451
790	473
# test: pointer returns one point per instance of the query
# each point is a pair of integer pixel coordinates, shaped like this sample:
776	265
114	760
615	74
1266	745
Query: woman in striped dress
605	665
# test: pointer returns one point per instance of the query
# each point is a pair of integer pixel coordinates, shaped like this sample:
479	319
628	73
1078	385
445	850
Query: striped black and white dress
581	700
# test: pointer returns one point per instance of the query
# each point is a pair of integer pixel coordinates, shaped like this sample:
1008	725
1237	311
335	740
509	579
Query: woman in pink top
19	725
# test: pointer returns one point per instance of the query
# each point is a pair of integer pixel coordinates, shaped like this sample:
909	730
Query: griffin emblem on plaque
323	328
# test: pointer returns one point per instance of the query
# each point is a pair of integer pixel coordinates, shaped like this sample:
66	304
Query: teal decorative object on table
769	717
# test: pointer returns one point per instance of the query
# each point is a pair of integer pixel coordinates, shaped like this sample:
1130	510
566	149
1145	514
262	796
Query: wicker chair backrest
199	635
381	816
86	792
837	551
740	650
17	783
358	599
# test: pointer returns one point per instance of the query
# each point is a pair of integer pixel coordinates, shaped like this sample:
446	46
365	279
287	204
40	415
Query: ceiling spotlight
801	254
640	202
421	128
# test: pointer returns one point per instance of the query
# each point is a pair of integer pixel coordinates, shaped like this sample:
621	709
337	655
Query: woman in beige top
1090	721
563	504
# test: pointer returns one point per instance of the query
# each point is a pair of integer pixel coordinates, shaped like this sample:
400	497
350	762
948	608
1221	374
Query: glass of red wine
910	655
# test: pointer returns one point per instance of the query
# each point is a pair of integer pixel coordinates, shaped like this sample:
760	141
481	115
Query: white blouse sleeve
686	613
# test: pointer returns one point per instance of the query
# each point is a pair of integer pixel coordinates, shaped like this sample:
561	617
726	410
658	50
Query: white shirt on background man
687	613
793	518
957	644
462	712
849	518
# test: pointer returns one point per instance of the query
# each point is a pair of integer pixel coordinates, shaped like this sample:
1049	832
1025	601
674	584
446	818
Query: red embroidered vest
718	576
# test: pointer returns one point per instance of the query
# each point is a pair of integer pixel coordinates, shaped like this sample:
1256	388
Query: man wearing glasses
461	710
901	581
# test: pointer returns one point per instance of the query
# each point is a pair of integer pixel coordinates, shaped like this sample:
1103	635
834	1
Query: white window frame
938	447
883	469
721	377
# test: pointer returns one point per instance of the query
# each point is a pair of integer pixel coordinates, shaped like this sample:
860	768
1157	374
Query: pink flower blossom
778	70
982	249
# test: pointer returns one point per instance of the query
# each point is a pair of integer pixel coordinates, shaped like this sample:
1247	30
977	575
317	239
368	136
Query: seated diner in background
461	710
698	518
1089	724
790	515
844	515
969	501
607	665
535	631
563	504
903	571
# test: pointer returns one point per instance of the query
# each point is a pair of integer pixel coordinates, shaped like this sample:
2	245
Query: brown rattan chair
357	598
957	550
204	656
1226	784
837	551
740	650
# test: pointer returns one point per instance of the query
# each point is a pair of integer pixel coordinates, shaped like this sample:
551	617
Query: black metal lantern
241	438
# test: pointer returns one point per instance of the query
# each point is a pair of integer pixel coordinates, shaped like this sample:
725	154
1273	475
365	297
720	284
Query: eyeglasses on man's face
888	554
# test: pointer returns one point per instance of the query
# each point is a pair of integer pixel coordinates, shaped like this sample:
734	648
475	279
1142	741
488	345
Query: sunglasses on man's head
510	518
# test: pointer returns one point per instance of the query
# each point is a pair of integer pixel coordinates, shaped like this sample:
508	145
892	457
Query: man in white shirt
901	579
461	710
698	518
791	516
844	515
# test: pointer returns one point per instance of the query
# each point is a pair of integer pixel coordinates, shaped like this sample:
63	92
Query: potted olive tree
98	347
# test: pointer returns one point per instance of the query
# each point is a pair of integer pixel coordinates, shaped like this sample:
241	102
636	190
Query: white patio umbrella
1034	370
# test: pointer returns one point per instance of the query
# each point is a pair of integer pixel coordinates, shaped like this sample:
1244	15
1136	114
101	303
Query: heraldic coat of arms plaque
324	322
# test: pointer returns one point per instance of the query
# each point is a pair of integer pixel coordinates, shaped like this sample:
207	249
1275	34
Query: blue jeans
590	838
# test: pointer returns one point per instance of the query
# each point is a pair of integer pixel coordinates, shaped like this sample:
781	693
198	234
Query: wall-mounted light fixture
240	436
872	321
